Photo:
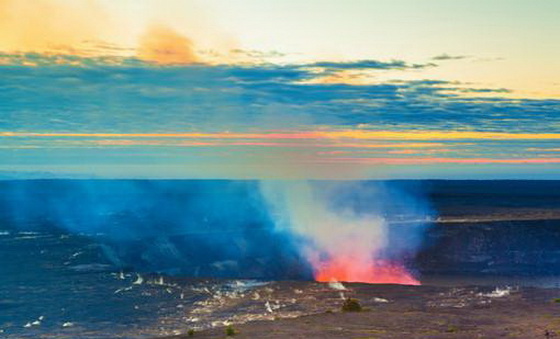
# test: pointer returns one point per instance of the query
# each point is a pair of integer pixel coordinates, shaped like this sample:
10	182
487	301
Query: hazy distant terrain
183	226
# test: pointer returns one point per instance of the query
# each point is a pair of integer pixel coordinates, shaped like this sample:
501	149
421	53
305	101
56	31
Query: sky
254	89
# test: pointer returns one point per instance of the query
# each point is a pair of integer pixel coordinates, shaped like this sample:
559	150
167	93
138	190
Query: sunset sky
280	89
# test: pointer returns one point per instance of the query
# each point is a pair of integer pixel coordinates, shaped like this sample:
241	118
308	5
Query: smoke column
339	241
326	230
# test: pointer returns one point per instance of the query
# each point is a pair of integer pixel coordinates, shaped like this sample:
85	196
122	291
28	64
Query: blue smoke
197	228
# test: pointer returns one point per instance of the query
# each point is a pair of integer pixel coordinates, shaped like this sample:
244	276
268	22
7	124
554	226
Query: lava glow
339	242
349	270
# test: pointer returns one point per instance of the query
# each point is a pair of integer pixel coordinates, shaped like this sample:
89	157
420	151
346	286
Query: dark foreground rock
392	311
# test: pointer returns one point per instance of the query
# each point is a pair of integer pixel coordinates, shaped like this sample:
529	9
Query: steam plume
341	243
301	230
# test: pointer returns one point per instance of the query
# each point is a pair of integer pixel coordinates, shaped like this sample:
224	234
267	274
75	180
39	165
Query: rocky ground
391	311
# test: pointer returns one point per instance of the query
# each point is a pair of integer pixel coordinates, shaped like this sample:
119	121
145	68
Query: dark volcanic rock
524	247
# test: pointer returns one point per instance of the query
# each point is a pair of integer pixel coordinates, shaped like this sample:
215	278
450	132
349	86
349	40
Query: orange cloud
81	28
404	151
218	135
427	161
164	46
49	26
438	135
333	135
276	144
125	142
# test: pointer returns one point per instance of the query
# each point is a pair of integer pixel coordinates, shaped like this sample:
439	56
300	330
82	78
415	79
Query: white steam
328	231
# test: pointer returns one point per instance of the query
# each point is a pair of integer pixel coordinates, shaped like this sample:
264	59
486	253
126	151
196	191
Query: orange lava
379	272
